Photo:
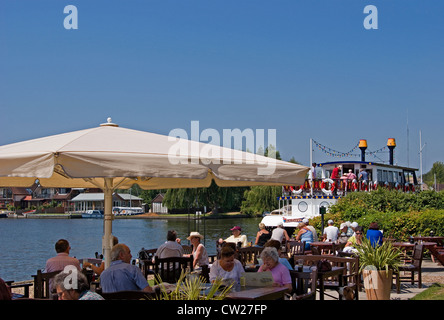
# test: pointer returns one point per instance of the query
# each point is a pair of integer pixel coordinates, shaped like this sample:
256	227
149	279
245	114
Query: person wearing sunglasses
355	239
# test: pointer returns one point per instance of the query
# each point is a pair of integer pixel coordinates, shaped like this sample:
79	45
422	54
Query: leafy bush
398	214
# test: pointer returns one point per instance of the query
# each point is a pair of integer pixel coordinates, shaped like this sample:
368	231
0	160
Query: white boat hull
299	209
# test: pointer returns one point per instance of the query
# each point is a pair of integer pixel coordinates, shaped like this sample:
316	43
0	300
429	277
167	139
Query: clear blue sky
308	69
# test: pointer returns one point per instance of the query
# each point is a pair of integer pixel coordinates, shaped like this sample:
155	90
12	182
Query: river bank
227	215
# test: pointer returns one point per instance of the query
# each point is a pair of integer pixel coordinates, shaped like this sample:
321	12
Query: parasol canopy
111	157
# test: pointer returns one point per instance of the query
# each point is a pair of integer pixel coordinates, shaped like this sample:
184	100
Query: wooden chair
169	269
351	275
25	287
42	288
295	248
206	273
338	247
415	266
128	295
315	251
303	284
249	255
146	264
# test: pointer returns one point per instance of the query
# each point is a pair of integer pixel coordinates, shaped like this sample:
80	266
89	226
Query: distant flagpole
311	151
408	152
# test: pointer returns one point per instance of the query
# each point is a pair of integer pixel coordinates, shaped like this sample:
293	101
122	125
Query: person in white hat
200	255
331	232
343	238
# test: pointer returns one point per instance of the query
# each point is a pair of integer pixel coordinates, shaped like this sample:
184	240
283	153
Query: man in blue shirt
363	175
121	275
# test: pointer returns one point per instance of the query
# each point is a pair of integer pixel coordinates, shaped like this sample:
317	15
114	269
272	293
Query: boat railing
342	186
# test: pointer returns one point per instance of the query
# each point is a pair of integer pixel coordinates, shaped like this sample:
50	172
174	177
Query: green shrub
398	214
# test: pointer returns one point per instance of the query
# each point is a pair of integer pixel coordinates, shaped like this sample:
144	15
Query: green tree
214	197
438	170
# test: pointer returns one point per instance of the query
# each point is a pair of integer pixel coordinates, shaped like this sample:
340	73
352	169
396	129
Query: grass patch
434	292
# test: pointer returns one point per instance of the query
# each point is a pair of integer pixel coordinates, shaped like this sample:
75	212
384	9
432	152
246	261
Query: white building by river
95	201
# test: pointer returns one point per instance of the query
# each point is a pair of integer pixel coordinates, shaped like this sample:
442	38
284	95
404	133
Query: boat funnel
391	144
363	147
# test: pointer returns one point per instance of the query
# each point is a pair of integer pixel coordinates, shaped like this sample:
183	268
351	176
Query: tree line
248	200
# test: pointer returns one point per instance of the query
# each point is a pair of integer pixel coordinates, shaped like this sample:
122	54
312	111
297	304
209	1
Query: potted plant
190	287
377	265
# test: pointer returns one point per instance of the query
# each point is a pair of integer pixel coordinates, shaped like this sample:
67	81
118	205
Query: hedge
398	214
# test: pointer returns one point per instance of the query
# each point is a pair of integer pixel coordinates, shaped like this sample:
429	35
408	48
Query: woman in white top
200	256
227	267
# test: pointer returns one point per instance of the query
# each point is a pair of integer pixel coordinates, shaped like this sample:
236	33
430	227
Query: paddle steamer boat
306	201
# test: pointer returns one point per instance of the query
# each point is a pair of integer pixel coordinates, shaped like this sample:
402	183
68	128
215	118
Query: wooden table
335	271
410	246
258	293
438	240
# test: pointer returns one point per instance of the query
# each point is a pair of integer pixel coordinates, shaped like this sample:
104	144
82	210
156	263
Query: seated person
281	274
62	259
374	234
277	245
199	252
304	234
78	290
227	267
262	236
354	240
171	248
121	275
98	270
236	237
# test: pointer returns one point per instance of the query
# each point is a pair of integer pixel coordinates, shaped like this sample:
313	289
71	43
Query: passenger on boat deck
281	274
62	259
78	290
312	172
227	267
236	237
121	275
335	172
351	175
98	270
363	175
171	248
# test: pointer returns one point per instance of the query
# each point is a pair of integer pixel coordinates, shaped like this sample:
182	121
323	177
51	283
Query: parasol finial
109	123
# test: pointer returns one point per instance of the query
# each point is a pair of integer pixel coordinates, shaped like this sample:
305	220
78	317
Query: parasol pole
107	221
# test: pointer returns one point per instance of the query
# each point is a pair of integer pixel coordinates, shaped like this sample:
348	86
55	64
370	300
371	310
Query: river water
26	244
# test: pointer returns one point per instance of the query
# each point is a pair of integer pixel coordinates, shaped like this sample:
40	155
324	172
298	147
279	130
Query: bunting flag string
339	154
